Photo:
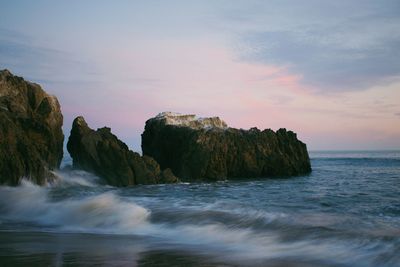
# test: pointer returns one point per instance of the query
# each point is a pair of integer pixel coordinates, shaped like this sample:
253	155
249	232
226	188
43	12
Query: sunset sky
328	70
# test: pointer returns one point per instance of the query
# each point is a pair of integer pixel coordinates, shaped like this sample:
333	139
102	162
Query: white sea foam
104	212
76	177
244	244
98	209
191	218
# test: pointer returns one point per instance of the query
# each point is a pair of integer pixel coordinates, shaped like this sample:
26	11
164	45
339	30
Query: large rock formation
103	154
31	138
206	149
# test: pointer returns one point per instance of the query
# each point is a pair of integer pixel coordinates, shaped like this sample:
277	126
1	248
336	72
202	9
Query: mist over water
346	213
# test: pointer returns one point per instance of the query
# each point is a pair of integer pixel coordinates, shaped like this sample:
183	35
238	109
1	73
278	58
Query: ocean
345	213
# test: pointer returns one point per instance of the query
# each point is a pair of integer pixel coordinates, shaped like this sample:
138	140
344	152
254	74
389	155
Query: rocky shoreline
31	137
194	149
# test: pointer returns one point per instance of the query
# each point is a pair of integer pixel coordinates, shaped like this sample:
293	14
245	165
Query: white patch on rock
191	121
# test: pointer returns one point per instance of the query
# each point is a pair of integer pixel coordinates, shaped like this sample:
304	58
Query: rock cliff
31	138
103	154
206	149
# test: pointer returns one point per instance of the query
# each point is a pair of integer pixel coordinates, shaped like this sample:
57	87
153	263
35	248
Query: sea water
345	213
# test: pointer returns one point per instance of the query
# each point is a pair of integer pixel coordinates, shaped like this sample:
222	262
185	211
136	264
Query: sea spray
76	177
105	212
346	213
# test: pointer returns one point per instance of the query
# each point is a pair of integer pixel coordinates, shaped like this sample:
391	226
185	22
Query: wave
68	177
391	154
351	160
105	212
78	203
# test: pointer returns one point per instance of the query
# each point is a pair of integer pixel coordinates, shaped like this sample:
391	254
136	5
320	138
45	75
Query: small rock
103	154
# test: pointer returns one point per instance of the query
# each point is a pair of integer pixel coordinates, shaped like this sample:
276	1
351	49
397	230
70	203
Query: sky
328	70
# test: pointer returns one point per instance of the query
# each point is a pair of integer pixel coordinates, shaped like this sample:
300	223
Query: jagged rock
31	137
206	149
103	154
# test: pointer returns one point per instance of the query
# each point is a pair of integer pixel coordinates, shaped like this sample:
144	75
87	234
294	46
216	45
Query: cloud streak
19	53
337	47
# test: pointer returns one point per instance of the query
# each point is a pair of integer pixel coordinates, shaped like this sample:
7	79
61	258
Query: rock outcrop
103	154
206	149
31	137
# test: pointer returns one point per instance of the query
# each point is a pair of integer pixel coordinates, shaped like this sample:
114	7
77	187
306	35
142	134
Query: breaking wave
327	219
104	212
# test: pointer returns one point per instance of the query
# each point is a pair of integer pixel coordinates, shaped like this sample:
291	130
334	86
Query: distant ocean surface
346	213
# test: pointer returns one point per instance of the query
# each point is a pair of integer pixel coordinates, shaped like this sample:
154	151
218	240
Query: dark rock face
31	138
206	149
103	154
